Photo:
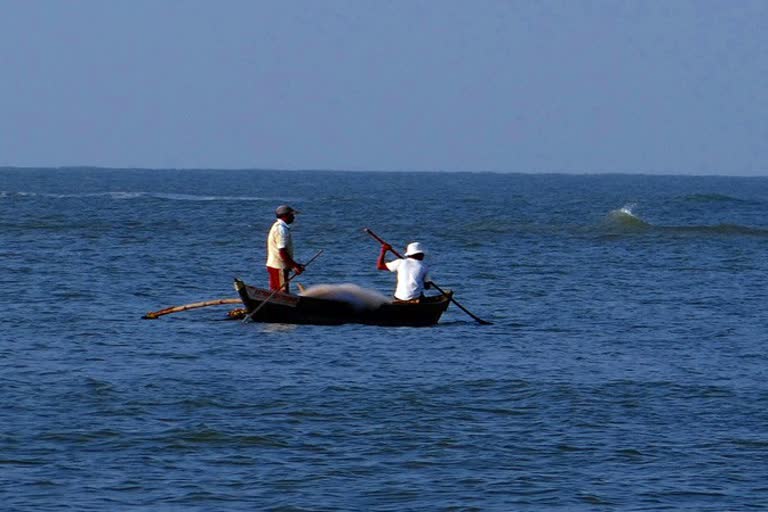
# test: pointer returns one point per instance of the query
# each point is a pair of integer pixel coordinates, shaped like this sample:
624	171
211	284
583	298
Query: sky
641	86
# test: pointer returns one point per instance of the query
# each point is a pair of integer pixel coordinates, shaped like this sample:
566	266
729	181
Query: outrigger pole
477	319
177	309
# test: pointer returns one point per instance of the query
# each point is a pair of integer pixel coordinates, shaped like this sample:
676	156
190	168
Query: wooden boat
295	309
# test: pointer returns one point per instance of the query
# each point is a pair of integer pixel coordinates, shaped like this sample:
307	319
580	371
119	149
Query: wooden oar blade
477	318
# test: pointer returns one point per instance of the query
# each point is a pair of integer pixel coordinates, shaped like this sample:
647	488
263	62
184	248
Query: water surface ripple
625	368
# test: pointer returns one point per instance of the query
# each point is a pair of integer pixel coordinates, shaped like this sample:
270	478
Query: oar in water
477	319
176	309
258	308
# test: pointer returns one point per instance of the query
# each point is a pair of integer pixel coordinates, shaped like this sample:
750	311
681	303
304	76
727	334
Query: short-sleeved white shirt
279	238
411	274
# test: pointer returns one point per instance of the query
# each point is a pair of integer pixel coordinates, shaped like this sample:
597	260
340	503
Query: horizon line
417	171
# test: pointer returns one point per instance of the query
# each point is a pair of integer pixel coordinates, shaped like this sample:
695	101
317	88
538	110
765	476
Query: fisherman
280	249
412	272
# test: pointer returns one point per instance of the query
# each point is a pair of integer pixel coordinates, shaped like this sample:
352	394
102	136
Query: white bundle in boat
359	298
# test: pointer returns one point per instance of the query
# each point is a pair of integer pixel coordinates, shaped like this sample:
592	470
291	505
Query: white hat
414	248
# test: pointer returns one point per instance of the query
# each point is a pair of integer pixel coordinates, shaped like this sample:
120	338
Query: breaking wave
625	220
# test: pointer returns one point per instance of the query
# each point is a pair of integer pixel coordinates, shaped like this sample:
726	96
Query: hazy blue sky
667	86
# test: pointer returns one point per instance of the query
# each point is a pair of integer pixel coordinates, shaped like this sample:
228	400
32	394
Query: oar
176	309
478	319
249	315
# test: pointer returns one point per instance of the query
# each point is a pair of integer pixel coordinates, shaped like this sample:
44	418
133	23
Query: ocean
625	369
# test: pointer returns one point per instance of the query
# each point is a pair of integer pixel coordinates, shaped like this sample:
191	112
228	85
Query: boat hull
295	309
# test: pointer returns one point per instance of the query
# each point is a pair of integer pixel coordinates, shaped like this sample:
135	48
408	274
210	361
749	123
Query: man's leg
277	278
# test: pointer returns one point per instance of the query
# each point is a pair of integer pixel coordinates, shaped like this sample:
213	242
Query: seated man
412	278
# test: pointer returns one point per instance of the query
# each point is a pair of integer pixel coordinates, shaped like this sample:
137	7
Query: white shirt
411	274
279	238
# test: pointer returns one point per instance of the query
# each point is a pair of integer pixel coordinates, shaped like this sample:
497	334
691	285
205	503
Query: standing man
412	278
280	249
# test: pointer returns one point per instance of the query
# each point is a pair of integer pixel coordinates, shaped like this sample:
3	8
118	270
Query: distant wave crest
124	195
625	220
710	198
722	229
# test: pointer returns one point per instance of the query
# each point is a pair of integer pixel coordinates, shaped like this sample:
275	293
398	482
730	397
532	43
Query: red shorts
277	278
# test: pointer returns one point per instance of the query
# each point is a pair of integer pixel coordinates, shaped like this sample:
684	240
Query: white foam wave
626	218
191	197
119	195
627	210
360	298
126	195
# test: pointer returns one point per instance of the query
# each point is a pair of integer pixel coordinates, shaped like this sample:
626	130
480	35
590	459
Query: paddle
478	319
176	309
249	315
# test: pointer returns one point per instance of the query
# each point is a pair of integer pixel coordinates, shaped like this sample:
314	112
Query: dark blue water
625	368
